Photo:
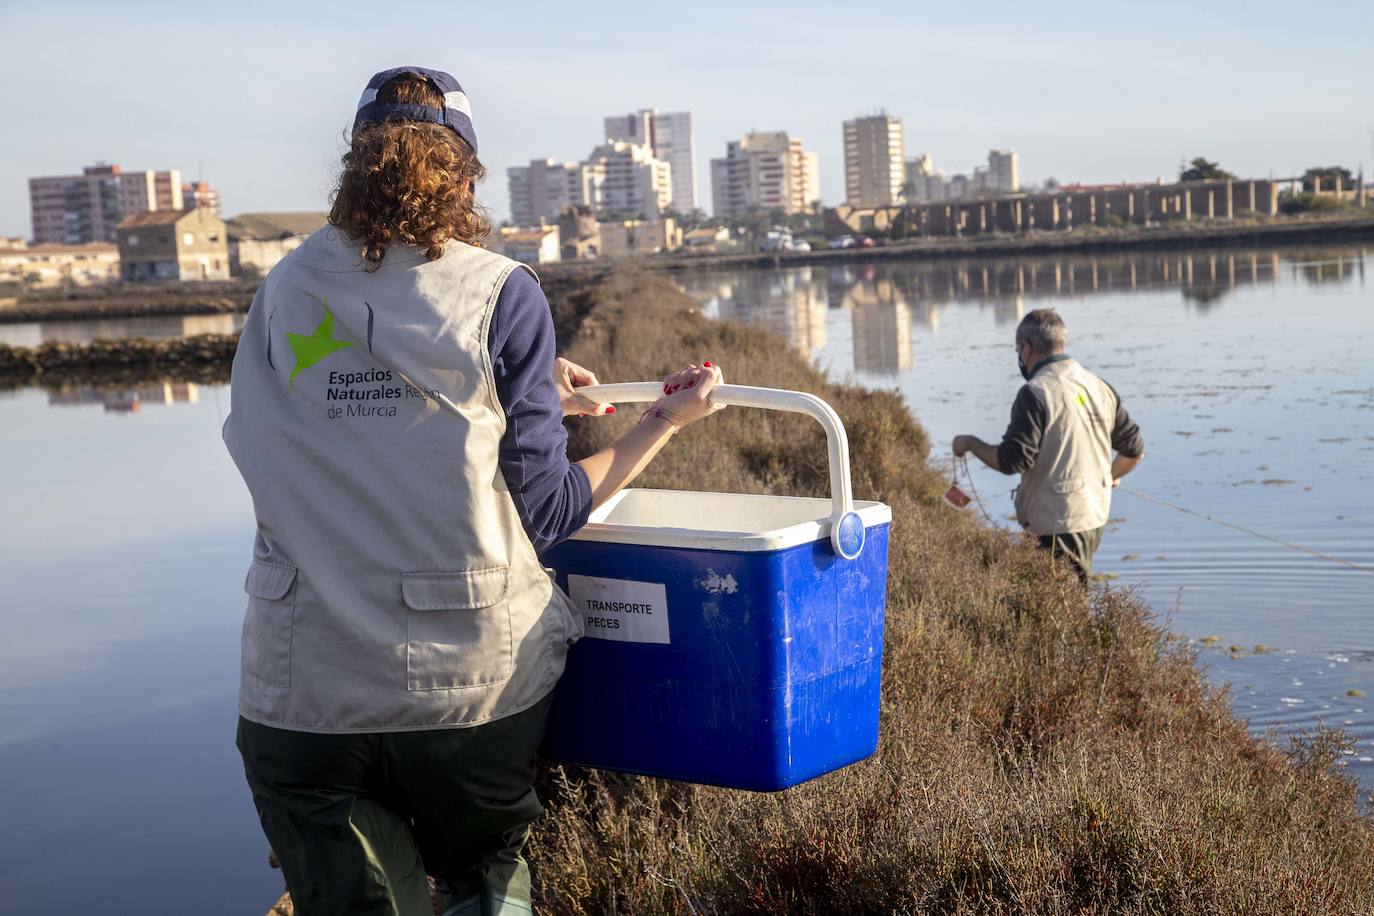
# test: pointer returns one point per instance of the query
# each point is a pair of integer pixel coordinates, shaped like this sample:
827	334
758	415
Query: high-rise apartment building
539	191
669	135
765	171
636	183
79	209
147	191
874	161
1004	171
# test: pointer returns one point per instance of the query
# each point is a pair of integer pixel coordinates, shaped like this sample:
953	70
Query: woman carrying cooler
396	415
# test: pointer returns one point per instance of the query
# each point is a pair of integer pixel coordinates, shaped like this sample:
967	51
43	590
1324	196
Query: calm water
128	534
1252	376
33	333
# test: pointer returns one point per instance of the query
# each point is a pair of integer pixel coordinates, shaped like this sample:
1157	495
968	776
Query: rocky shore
203	358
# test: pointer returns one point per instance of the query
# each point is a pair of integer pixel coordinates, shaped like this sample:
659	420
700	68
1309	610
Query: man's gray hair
1044	330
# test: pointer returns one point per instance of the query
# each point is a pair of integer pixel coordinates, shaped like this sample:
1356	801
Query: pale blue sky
260	93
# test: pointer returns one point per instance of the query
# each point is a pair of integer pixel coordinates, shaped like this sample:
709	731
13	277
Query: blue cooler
734	640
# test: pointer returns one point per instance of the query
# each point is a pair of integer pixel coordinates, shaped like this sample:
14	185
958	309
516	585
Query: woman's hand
687	395
568	376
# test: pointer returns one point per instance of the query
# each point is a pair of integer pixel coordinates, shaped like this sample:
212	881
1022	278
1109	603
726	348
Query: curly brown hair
408	181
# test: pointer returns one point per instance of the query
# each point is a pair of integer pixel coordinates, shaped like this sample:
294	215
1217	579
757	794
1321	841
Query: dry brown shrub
1043	750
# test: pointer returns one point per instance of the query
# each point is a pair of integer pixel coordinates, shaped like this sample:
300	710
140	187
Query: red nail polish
691	383
610	410
707	364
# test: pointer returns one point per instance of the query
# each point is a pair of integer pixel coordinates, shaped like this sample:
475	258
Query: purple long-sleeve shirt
552	495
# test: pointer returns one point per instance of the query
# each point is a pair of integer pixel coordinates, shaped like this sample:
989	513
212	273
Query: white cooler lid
717	521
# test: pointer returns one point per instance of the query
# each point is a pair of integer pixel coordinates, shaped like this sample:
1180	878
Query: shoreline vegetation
1044	749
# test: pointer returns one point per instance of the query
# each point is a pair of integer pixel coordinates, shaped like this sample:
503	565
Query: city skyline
1095	98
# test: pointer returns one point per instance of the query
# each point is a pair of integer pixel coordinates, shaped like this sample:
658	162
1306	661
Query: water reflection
127	400
35	333
888	298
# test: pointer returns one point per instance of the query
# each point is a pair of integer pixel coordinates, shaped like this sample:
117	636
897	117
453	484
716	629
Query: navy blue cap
456	113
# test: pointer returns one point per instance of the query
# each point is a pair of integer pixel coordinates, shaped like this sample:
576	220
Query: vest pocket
458	629
271	589
1070	485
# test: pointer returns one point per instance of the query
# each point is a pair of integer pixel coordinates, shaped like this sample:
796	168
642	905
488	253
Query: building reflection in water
882	325
127	400
888	298
789	302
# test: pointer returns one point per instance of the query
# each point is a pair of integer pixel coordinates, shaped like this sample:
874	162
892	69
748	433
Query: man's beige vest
392	585
1069	488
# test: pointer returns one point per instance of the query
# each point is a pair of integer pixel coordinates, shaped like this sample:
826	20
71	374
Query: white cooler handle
846	529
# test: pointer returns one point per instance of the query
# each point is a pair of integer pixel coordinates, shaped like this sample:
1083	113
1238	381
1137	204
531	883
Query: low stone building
54	265
707	240
257	241
190	244
622	238
538	245
579	233
1068	208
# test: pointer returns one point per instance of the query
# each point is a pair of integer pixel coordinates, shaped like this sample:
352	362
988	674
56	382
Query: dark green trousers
357	820
1077	547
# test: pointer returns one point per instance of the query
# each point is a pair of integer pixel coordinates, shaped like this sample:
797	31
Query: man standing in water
1065	424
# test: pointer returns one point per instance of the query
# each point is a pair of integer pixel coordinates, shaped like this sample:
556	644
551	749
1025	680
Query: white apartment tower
874	161
635	181
765	171
669	135
1004	171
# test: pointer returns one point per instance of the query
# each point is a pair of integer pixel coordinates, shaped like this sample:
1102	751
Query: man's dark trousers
1077	547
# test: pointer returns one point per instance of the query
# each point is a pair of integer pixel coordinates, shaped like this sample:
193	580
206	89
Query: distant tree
1051	183
687	221
1328	176
1203	170
1291	204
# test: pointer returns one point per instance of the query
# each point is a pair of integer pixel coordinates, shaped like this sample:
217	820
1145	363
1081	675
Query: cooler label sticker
620	609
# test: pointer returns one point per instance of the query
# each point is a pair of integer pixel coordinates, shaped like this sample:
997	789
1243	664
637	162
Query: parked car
802	245
863	241
843	241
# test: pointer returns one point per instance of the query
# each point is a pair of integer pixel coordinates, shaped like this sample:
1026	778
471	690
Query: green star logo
316	346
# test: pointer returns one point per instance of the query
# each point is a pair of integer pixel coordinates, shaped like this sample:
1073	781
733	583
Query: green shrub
1311	203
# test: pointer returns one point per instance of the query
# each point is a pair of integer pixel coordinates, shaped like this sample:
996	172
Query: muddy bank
155	300
132	301
206	358
203	358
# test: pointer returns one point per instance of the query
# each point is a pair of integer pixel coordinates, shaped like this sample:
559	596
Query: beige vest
392	585
1070	486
